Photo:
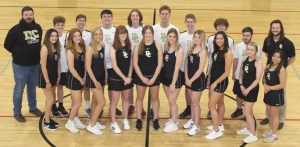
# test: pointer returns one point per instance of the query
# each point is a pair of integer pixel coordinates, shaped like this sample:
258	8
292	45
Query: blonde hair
94	44
201	33
177	46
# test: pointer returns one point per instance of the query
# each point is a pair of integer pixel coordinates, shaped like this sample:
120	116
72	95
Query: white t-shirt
108	39
185	41
135	35
210	43
240	54
87	37
63	55
160	34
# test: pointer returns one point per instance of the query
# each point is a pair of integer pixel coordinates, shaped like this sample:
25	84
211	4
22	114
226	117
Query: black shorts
222	86
274	98
179	82
199	84
117	84
236	88
73	83
138	81
90	83
63	79
252	95
41	83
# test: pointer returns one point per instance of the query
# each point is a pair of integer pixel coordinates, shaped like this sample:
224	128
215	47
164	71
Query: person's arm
259	72
178	63
228	63
203	57
43	62
159	60
70	59
112	55
282	79
135	62
291	53
291	60
10	39
88	64
186	68
235	62
130	68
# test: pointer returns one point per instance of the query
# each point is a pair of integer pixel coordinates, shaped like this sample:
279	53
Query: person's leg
187	111
98	103
248	106
31	89
139	100
125	102
212	103
265	120
282	113
173	104
221	109
86	93
131	102
196	111
48	103
274	113
115	95
76	103
154	92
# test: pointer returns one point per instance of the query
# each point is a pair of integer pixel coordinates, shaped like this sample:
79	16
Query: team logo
163	37
246	69
280	46
31	36
215	57
269	76
82	58
135	37
107	39
125	54
55	57
101	55
167	57
191	59
148	54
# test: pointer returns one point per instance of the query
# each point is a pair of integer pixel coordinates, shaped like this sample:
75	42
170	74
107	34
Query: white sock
88	104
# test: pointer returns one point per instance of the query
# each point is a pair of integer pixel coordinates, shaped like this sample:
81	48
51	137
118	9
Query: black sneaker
54	123
54	111
62	110
50	126
238	112
19	117
139	125
36	112
156	125
185	113
208	115
264	121
118	112
151	114
280	126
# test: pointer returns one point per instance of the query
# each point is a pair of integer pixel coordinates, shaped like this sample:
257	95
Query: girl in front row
195	78
274	83
250	75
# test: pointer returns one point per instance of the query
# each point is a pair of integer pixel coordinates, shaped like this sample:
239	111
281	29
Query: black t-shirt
285	45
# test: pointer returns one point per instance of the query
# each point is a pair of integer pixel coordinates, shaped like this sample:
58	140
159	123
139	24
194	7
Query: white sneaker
115	128
171	127
221	128
213	135
95	130
193	131
170	121
243	131
270	138
126	124
189	124
251	138
78	124
267	134
100	126
71	127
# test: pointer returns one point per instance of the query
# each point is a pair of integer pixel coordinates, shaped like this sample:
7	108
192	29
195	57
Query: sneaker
88	112
95	130
208	115
118	112
126	124
213	135
169	121
156	125
139	125
264	121
189	124
50	126
131	110
62	110
36	112
100	126
185	113
193	131
115	128
78	124
270	138
52	122
238	112
55	111
267	134
243	131
19	117
71	127
280	126
251	138
144	113
151	114
171	127
221	128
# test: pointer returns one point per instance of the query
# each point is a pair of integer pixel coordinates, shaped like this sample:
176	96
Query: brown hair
48	43
142	43
278	68
221	21
129	21
165	7
59	19
192	16
117	43
167	46
71	45
201	33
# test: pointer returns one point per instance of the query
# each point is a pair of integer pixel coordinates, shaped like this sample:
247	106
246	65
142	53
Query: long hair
94	44
201	33
278	68
167	46
117	43
282	34
129	21
254	44
50	46
142	43
226	46
71	45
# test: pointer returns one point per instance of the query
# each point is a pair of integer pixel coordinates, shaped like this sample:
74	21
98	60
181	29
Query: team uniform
98	69
52	64
217	69
160	34
169	60
185	41
249	77
115	82
147	63
72	82
273	97
63	60
108	39
193	65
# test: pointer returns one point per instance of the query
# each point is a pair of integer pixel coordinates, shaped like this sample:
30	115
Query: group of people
147	56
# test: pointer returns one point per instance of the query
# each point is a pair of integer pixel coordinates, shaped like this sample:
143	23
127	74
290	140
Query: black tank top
148	60
218	66
193	64
79	64
123	57
52	64
249	71
169	65
272	78
98	64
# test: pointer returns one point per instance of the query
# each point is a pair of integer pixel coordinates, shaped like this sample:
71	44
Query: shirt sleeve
265	49
10	39
291	50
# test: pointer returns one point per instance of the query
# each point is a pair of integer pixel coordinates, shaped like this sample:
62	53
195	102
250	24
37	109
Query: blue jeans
24	75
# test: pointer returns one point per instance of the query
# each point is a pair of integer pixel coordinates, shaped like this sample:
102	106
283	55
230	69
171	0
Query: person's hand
267	88
82	82
145	80
213	86
48	86
172	88
246	92
151	81
188	83
97	84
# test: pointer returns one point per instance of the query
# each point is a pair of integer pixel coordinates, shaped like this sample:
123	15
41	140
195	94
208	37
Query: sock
87	105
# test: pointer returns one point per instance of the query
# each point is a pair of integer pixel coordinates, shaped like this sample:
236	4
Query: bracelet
48	83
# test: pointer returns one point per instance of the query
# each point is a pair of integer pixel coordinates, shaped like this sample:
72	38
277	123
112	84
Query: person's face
53	37
221	27
135	18
251	51
98	36
80	22
59	27
190	23
164	16
148	35
123	36
197	39
275	29
276	58
172	38
220	40
106	19
28	16
77	38
246	37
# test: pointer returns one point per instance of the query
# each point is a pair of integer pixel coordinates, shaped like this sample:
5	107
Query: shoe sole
50	129
71	131
213	138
